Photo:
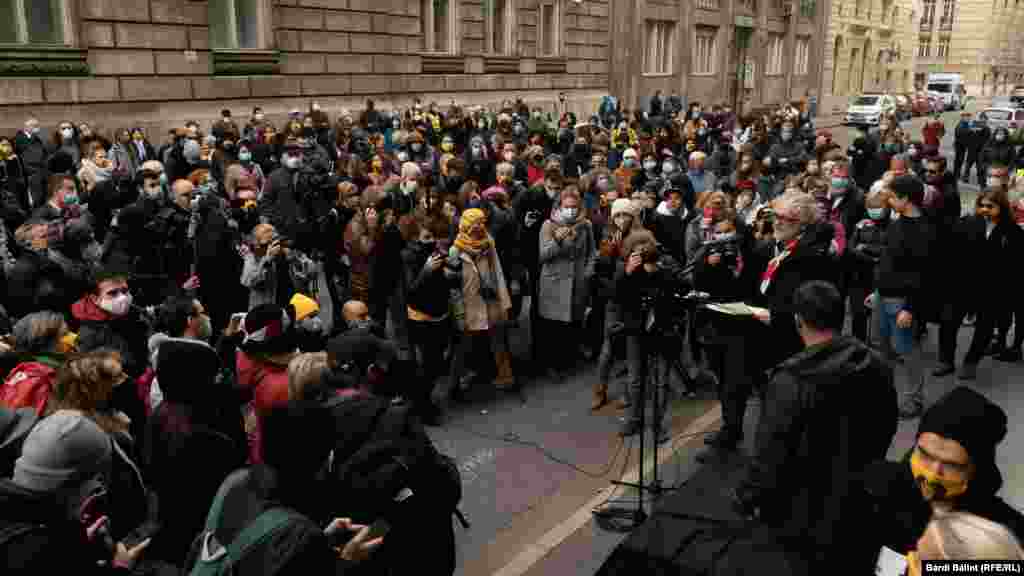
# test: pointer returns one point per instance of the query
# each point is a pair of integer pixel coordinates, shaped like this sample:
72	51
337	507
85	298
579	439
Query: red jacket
29	384
932	133
268	383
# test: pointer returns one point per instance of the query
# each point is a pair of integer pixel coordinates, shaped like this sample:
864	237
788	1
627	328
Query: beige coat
481	315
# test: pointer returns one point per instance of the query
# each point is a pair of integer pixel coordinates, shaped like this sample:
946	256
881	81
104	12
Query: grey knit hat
63	447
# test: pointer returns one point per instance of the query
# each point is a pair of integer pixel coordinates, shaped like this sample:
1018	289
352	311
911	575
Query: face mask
292	162
403	156
190	150
787	135
258	117
518	129
5	151
812	169
876	213
668	168
695	115
67	133
629	163
840	183
883	127
892	148
481	125
477	150
416	146
569	214
312	324
396	125
622	127
447	146
205	329
509	156
359	324
1000	137
118	305
245	157
70	199
650	165
35	131
409	187
933	486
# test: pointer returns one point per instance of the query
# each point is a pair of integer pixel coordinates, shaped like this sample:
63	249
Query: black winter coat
828	412
809	260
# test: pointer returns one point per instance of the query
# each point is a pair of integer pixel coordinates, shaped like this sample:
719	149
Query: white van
949	87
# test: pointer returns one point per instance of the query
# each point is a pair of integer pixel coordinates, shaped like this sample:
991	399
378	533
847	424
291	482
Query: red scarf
773	265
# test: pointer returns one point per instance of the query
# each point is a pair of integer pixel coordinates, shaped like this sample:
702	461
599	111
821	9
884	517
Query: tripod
658	363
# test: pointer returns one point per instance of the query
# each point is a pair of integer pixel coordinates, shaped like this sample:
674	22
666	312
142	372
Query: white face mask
650	166
569	214
67	133
477	150
403	156
118	305
292	162
416	147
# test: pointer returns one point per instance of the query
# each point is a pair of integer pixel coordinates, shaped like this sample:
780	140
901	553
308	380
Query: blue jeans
901	339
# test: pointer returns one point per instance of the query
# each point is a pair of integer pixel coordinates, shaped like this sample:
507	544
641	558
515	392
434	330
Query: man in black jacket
961	138
645	275
531	209
902	272
977	138
829	411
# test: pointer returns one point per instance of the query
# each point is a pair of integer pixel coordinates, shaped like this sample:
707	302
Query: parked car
866	109
1004	117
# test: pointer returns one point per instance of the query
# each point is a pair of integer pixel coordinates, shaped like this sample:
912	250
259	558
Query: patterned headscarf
465	242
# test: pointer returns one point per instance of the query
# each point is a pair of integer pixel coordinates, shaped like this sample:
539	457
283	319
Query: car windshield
996	114
866	101
944	88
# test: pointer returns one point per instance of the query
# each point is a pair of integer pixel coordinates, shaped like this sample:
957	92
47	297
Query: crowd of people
175	311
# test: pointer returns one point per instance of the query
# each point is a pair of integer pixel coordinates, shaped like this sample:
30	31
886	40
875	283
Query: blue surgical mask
876	213
245	157
840	183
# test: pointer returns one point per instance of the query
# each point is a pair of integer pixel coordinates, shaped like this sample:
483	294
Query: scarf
472	246
773	265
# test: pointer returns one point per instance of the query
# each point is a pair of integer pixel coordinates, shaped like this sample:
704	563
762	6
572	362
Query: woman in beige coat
568	254
482	305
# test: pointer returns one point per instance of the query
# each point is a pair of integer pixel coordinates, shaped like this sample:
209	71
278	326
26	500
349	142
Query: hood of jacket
841	357
249	367
192	367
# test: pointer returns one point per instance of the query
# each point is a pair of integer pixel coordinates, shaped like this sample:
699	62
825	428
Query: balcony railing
707	4
926	25
946	25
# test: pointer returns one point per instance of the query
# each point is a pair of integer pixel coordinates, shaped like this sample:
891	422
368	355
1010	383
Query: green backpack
215	559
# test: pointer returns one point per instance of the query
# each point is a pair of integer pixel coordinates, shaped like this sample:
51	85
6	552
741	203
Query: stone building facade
981	39
779	43
871	47
158	62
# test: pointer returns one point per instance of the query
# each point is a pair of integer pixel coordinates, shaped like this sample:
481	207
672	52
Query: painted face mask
933	486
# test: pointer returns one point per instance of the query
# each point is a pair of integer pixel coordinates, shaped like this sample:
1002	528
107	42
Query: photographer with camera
643	279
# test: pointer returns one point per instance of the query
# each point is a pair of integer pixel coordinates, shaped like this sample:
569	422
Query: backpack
15	426
392	453
216	559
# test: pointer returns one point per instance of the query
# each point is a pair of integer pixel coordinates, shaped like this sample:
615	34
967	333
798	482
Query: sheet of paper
737	309
890	563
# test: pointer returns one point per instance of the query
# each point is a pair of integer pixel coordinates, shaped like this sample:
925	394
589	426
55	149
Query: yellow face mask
68	343
913	564
447	146
933	486
5	151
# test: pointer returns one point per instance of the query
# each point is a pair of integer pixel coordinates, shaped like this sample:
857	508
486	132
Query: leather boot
600	397
505	378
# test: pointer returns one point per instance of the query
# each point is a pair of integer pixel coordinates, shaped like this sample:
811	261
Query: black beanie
972	420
